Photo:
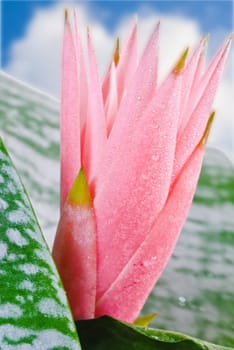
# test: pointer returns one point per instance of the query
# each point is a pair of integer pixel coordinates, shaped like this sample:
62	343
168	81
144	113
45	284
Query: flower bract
131	154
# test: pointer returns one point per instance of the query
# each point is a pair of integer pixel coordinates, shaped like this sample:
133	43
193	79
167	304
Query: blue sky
211	15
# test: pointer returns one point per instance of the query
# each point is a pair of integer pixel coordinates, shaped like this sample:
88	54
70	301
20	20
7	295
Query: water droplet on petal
145	176
155	157
155	126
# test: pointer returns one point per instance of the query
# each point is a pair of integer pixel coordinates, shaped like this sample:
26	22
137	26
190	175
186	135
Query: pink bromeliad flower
131	154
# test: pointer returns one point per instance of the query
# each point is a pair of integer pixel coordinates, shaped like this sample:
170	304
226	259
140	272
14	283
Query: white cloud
36	57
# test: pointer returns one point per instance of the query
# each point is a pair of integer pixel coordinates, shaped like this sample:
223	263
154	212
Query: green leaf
34	312
106	333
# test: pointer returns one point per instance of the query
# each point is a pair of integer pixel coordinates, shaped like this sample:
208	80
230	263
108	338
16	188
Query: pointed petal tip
158	25
66	21
88	36
229	40
79	194
135	19
156	28
205	40
75	15
181	62
206	133
116	55
204	44
134	25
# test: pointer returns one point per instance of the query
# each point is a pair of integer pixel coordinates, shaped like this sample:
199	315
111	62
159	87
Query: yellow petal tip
66	15
79	193
144	321
116	55
181	62
207	130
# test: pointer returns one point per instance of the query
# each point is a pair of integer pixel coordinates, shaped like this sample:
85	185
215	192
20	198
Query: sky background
211	15
31	33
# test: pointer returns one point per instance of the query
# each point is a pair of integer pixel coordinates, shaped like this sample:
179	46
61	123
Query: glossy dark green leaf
105	333
34	312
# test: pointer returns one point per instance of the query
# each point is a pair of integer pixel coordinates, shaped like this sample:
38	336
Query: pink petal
189	75
198	120
197	78
216	63
141	87
108	76
141	166
70	121
111	104
74	251
106	83
83	85
125	297
95	136
128	62
139	94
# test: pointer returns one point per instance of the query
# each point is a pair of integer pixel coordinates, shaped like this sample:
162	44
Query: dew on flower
145	176
155	157
128	175
155	126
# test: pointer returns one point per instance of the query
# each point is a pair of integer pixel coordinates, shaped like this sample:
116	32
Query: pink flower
141	146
